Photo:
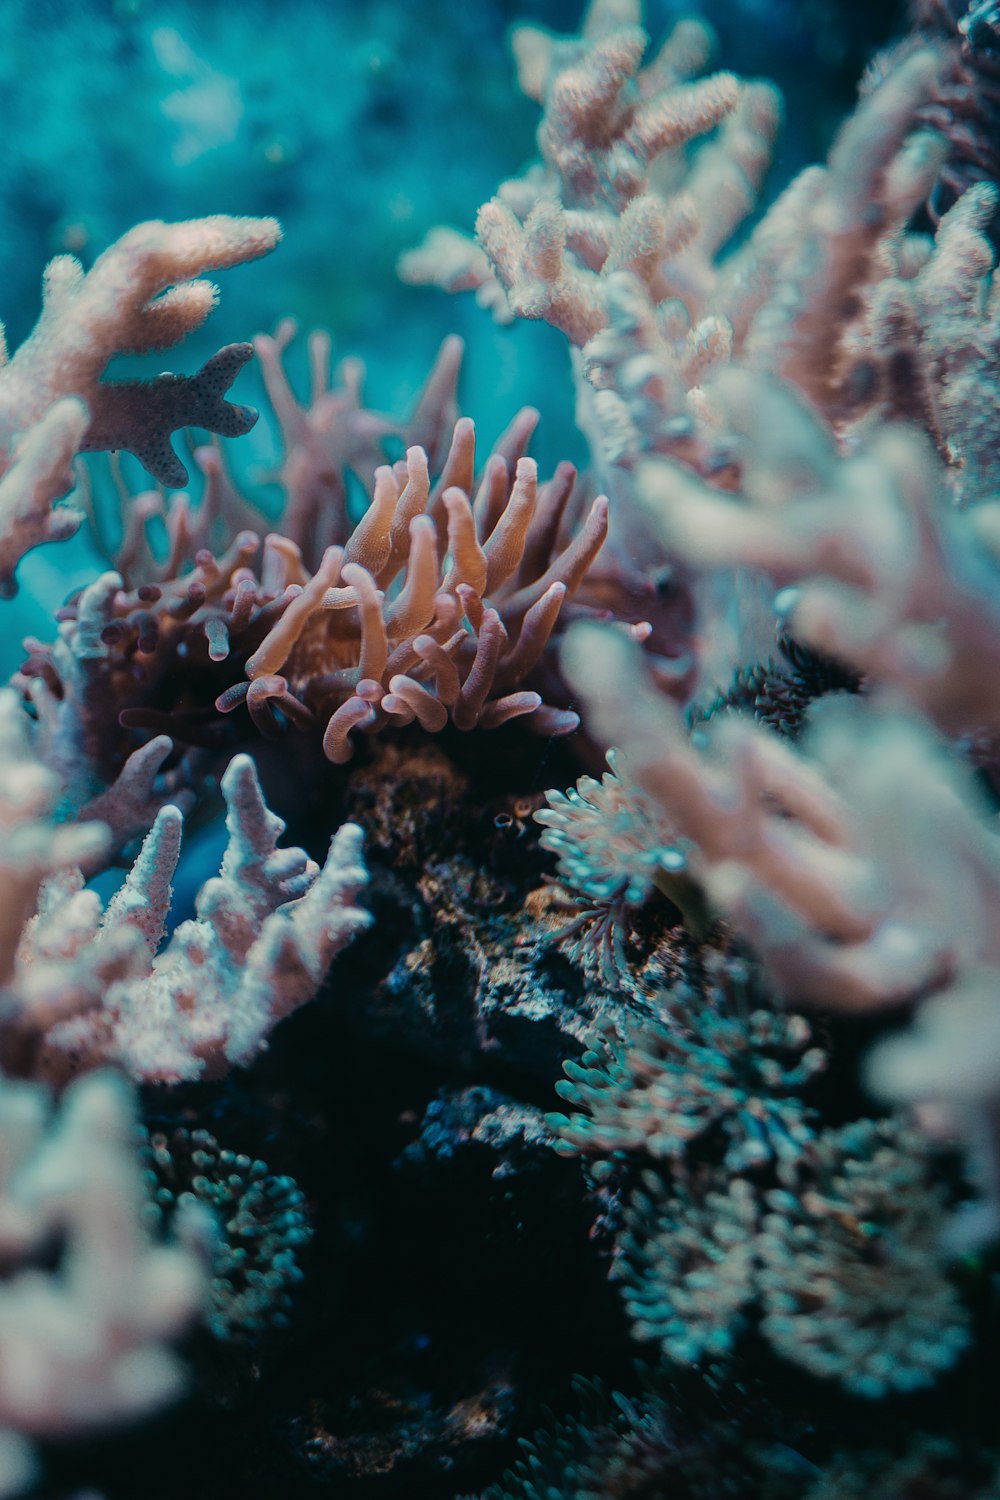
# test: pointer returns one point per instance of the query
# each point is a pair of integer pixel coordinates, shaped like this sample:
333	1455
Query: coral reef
663	782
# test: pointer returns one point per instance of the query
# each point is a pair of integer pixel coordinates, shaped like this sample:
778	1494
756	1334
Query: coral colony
605	1099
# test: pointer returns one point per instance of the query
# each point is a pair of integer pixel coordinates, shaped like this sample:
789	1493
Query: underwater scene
500	750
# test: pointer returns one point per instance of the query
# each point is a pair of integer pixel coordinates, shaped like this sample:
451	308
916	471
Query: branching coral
612	236
743	397
964	109
629	266
822	860
626	261
38	473
34	846
888	577
88	985
83	1342
811	853
143	293
333	434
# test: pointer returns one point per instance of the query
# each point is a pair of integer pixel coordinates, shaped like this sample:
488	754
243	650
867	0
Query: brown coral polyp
435	610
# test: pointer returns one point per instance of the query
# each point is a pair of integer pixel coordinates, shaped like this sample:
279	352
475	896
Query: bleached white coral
83	1344
265	931
145	292
865	871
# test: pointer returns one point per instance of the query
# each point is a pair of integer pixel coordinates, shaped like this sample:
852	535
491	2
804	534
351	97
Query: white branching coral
886	574
864	869
39	471
619	236
50	816
33	845
144	293
554	235
646	172
931	331
265	932
84	1342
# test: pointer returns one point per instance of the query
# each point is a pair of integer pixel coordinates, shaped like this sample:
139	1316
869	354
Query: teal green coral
263	1223
670	1081
853	1279
686	1259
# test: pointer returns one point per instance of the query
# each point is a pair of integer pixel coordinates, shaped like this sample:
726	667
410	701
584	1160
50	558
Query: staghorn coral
964	109
34	845
631	270
627	261
887	577
83	1343
810	852
143	293
821	860
333	435
931	330
89	985
39	472
612	237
